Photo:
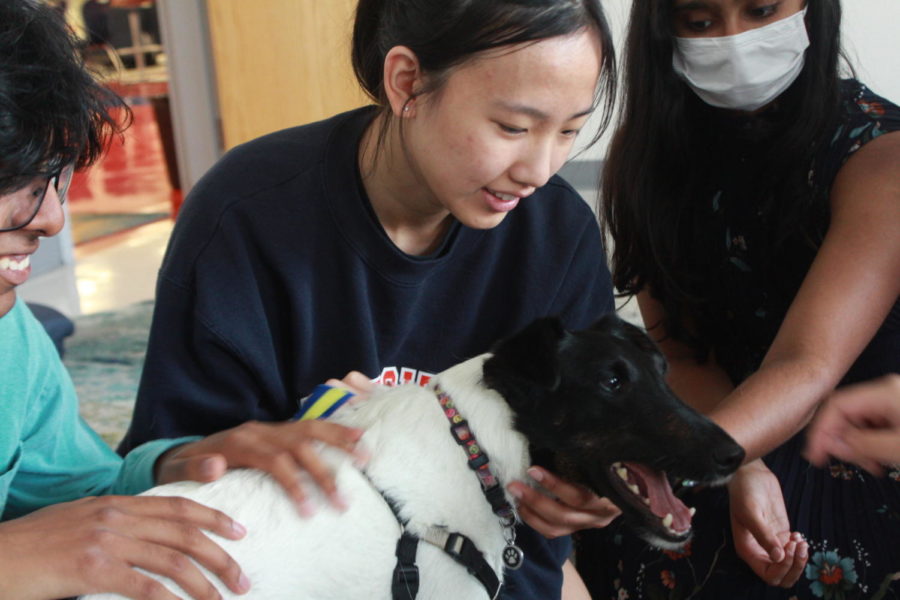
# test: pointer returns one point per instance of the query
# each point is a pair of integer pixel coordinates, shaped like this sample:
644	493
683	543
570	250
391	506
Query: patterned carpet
105	356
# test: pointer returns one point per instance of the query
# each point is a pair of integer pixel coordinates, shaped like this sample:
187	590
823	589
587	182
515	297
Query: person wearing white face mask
754	200
744	71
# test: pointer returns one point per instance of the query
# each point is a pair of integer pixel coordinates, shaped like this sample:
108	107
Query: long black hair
446	33
52	111
666	150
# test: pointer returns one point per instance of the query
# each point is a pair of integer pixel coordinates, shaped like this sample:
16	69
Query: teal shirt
48	454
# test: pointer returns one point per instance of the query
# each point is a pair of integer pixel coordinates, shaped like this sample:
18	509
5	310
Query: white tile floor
108	274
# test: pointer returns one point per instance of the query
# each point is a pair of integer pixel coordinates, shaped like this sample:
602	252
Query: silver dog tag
513	557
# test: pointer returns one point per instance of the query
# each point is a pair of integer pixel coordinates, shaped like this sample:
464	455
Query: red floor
132	176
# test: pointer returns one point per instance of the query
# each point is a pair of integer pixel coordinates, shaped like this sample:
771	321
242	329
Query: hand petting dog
568	508
284	450
93	545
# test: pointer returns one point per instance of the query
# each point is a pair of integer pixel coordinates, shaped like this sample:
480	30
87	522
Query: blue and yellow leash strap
322	402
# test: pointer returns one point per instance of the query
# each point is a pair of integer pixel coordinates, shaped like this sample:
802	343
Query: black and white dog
595	401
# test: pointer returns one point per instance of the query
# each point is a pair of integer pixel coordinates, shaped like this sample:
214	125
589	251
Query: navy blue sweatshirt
279	276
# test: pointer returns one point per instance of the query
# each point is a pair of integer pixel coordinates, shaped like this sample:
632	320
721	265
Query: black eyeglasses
18	208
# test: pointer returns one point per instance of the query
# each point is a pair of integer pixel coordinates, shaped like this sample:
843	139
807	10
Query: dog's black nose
728	456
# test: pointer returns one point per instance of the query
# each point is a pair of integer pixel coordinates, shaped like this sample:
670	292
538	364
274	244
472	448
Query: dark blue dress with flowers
850	519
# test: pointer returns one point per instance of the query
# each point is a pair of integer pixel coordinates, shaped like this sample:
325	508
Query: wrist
161	460
754	465
748	471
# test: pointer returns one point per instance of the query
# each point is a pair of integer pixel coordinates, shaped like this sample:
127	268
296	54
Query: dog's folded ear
614	325
530	356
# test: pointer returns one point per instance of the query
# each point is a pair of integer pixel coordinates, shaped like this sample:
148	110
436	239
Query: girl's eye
699	25
511	130
763	12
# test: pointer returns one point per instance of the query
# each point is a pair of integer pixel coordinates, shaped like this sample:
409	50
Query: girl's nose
535	167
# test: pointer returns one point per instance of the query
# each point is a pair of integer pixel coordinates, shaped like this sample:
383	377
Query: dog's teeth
646	500
667	521
693	510
622	472
634	489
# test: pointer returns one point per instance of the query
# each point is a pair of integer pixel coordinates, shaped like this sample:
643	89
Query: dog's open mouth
649	492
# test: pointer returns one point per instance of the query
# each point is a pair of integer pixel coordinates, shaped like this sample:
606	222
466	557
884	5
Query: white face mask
744	71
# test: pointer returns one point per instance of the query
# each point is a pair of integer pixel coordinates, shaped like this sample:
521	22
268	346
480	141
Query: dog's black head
597	401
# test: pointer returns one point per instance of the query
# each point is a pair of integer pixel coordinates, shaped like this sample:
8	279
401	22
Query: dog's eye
611	383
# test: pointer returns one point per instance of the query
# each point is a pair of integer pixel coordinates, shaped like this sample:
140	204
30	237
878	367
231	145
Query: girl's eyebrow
535	113
691	5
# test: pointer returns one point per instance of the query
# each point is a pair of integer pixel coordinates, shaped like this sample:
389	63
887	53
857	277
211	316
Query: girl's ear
402	78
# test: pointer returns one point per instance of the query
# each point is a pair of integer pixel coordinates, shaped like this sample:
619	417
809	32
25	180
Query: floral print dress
850	519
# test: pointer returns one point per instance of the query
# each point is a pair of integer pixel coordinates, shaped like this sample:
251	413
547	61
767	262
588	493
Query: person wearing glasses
57	537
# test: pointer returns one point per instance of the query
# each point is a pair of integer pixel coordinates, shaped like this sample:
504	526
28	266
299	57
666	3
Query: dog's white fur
414	459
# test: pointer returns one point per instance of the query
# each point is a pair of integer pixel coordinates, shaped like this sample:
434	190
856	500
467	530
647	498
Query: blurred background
202	76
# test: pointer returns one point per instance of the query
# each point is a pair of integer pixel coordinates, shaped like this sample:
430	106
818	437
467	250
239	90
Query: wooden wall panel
280	63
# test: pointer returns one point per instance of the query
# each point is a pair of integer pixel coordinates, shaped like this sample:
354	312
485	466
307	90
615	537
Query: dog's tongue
662	501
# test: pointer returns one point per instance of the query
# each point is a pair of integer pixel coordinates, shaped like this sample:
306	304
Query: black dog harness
405	581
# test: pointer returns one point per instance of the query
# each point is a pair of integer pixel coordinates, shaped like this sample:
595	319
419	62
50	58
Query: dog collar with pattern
478	461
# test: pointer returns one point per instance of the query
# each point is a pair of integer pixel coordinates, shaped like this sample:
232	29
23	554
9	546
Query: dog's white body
415	460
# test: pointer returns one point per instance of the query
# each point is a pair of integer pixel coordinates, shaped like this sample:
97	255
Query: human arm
835	314
759	519
845	297
859	424
83	545
91	545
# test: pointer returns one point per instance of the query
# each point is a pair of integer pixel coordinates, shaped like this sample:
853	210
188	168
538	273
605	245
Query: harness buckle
454	545
405	582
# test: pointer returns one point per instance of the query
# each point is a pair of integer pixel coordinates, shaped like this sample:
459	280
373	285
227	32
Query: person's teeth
506	197
7	263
